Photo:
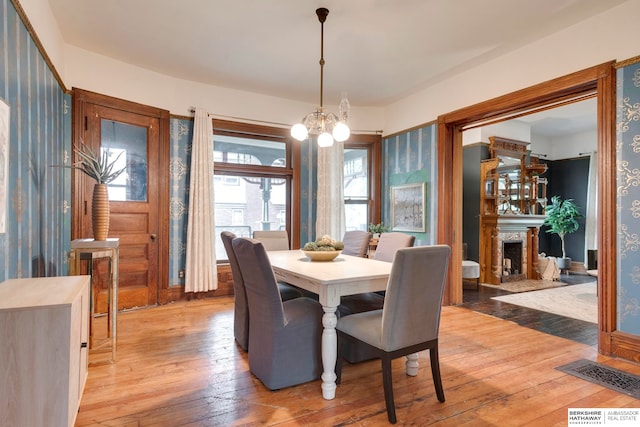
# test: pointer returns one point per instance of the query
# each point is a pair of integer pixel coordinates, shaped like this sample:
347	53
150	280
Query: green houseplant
376	229
562	219
97	166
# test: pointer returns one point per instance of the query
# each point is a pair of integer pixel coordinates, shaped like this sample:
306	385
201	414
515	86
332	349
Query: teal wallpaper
38	217
628	198
409	158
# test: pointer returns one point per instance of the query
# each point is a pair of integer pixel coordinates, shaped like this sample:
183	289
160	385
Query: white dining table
345	275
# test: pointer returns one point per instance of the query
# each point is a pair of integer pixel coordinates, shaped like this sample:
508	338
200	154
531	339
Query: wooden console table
81	261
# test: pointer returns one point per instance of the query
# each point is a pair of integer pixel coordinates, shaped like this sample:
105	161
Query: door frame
81	98
600	80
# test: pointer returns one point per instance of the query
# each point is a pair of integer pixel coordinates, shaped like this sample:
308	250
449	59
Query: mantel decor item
328	126
562	218
408	207
323	249
103	171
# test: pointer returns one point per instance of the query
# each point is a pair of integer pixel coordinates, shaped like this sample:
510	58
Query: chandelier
328	126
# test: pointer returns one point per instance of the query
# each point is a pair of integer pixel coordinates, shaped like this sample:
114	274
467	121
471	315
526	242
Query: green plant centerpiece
323	249
562	219
98	167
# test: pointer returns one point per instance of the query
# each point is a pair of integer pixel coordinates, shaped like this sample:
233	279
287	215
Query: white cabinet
44	328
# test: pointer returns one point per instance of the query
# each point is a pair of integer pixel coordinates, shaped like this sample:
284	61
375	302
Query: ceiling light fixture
328	126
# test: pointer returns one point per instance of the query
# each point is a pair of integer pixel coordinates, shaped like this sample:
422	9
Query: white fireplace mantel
519	222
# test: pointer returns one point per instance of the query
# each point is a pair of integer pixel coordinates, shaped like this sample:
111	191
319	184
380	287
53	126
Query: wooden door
134	198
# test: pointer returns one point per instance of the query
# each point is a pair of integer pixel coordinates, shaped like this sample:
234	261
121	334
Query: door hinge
86	123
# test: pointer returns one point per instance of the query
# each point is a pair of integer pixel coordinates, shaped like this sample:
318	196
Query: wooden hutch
513	200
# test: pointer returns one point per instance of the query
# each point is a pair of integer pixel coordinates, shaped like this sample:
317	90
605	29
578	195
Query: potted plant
98	167
562	219
376	229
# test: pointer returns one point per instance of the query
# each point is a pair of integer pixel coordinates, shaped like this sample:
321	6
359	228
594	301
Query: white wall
608	36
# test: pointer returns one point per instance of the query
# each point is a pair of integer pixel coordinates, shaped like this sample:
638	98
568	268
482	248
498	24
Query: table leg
329	352
412	364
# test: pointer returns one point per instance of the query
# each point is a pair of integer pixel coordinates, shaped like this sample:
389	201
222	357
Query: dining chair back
273	240
240	307
284	337
390	242
356	243
410	318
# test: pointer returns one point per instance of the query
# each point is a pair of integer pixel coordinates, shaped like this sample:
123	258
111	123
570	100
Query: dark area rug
614	379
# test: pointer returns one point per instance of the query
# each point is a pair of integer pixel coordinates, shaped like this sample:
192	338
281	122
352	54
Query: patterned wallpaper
408	158
628	198
38	218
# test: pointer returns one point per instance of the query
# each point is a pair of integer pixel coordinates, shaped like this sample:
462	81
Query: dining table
330	280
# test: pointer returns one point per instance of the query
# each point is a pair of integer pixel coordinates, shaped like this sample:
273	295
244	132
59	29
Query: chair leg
435	372
388	389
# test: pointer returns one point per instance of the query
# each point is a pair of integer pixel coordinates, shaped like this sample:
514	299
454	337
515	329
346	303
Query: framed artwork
408	207
4	163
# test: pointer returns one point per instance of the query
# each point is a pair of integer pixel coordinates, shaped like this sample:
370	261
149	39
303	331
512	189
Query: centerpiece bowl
321	255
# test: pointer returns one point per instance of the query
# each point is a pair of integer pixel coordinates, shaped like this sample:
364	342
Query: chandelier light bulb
299	132
325	140
341	132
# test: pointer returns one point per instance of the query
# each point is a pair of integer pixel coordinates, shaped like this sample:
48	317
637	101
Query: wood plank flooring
178	365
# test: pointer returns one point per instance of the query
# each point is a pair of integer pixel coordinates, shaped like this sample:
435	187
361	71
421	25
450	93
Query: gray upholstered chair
278	240
410	319
356	243
240	309
273	240
284	337
390	242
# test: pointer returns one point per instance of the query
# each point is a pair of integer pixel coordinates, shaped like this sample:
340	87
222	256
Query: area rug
526	285
605	376
575	301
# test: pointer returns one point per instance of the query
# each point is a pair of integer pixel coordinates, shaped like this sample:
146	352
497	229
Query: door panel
133	198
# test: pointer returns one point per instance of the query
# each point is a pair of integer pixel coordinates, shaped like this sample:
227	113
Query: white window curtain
591	213
330	216
200	270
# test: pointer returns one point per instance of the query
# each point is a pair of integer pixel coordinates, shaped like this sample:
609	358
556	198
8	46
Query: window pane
244	204
356	178
247	151
356	216
129	142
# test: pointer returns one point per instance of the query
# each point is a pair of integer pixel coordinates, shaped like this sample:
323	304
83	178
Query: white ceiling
377	51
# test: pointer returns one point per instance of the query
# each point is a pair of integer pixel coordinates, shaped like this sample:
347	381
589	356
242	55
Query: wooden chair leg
435	372
388	389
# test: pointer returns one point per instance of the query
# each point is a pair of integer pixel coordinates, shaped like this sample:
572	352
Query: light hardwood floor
178	365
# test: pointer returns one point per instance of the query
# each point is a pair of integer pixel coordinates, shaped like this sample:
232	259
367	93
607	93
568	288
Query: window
356	188
362	181
252	181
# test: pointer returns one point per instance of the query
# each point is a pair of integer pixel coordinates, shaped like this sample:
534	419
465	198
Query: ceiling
378	51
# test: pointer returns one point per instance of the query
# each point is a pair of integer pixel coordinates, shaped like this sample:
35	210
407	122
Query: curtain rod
281	125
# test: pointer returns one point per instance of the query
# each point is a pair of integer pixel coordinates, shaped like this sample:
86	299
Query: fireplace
512	261
509	248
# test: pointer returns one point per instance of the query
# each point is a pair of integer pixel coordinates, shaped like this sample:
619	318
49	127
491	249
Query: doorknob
153	237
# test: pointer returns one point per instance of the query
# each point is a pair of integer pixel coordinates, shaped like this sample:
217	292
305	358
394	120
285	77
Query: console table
81	260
